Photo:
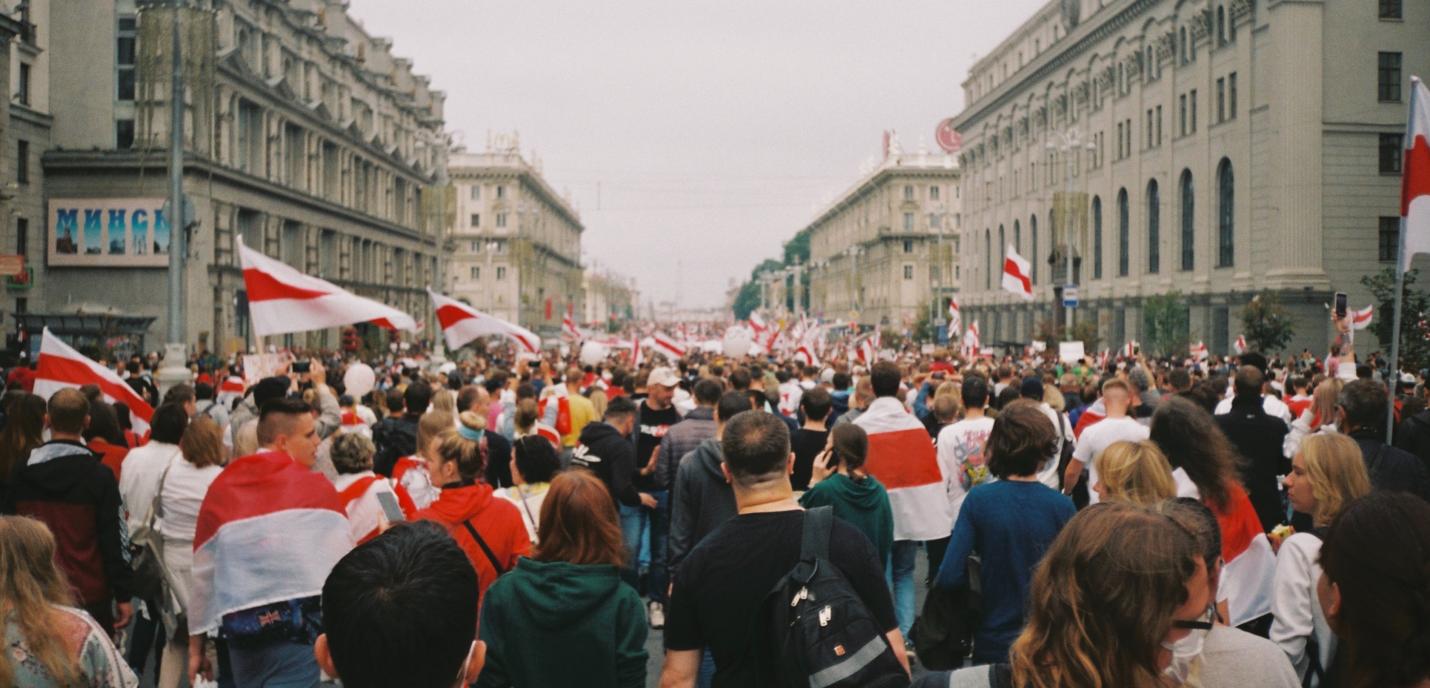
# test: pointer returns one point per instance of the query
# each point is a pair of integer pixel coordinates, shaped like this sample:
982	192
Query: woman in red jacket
488	529
105	437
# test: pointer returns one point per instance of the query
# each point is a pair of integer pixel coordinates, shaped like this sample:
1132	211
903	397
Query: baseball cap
665	377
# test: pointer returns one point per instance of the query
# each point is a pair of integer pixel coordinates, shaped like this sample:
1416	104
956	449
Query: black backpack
824	636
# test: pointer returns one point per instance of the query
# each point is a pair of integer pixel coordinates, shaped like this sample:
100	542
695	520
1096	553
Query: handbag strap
155	506
525	507
491	556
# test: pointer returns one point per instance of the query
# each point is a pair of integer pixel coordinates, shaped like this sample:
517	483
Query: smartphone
301	367
1341	307
388	501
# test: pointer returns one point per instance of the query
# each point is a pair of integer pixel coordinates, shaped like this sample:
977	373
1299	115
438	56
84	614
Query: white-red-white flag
667	345
955	318
1017	274
970	341
636	357
282	300
1415	175
60	366
1198	351
1240	344
462	323
1129	350
570	330
806	353
757	324
1362	318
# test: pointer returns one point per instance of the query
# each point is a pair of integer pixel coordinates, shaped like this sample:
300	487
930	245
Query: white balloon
737	342
359	380
593	353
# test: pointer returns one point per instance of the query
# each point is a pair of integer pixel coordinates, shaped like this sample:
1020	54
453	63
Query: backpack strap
815	533
491	556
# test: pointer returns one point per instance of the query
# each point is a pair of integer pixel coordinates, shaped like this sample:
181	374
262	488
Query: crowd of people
529	521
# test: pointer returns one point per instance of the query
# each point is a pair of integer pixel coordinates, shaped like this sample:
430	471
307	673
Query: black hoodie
701	501
603	450
64	485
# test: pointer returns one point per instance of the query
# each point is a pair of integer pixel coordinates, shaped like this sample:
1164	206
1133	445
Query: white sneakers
656	613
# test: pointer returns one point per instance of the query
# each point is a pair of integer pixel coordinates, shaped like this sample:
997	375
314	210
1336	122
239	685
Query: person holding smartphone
838	480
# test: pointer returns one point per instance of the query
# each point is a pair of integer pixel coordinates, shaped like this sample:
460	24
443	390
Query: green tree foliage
1414	317
1266	323
1166	324
797	248
747	300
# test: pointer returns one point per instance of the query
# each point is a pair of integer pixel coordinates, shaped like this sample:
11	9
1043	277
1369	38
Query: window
1231	95
1018	236
476	220
501	217
1390	153
1159	125
22	236
1182	118
1182	34
1154	228
22	161
501	192
908	246
1226	227
124	134
935	221
501	273
1033	229
124	46
1189	232
1096	237
1391	9
1148	128
1388	87
1193	110
1123	239
24	93
476	273
1221	25
1389	238
987	259
933	193
908	272
476	192
1221	100
908	192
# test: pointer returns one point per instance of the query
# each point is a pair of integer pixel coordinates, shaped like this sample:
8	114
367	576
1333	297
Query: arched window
1189	230
1033	228
1017	236
1225	215
1124	260
987	259
1002	249
1097	237
1154	228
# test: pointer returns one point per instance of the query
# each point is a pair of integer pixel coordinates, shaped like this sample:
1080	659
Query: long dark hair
1193	442
24	430
1377	553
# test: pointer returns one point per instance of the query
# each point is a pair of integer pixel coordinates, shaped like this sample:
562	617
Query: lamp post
1066	143
174	370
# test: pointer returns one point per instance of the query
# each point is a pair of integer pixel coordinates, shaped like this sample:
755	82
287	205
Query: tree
1085	332
1414	317
1166	324
1267	324
797	248
747	300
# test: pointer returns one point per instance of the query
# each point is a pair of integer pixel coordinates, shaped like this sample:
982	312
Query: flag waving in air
282	300
1415	177
60	366
636	358
1198	351
955	318
1016	275
462	323
970	341
1362	318
1240	344
570	330
668	346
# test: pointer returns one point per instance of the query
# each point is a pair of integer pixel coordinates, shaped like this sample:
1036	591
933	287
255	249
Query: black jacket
1413	436
701	501
394	437
1391	468
603	450
1258	437
65	486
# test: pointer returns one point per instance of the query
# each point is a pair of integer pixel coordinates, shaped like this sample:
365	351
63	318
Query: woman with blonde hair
48	642
1319	417
445	401
1326	474
1133	472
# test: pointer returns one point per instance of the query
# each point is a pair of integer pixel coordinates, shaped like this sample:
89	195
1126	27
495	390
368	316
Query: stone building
886	251
517	243
304	135
1224	147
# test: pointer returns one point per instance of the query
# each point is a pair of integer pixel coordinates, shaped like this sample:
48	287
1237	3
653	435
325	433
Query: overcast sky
695	137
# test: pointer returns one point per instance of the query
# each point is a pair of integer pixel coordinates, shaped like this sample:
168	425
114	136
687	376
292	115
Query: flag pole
1400	261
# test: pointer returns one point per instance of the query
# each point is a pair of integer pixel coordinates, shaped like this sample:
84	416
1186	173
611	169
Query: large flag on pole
636	358
955	318
1415	176
1016	275
282	300
60	366
462	323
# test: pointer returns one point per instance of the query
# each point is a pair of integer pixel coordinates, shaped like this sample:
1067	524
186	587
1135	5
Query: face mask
1186	666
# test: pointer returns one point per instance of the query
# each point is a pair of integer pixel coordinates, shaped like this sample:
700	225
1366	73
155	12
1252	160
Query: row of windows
475	221
476	273
934	192
1225	224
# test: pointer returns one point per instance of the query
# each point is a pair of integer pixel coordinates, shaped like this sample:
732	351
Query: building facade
27	121
516	242
305	137
886	251
1225	148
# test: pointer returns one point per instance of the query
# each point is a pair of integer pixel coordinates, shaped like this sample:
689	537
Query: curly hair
352	453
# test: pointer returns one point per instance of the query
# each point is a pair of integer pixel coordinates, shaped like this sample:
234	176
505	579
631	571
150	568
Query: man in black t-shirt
721	585
656	416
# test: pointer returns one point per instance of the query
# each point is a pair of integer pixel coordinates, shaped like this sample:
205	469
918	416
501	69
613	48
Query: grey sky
713	129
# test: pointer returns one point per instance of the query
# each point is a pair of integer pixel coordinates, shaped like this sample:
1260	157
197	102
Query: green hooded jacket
861	503
551	623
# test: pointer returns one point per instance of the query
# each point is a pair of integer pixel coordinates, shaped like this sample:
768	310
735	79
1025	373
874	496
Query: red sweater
496	520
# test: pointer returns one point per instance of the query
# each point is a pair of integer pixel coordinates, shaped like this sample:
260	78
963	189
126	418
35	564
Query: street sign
947	137
1070	296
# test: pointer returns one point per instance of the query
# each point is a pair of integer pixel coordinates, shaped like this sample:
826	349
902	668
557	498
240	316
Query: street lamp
1066	143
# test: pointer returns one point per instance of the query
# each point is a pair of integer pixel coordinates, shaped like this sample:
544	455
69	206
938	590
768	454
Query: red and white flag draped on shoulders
282	300
60	366
462	323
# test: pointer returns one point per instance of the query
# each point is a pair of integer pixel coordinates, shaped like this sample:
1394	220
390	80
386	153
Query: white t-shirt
184	490
1048	475
1098	437
790	394
960	447
139	479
